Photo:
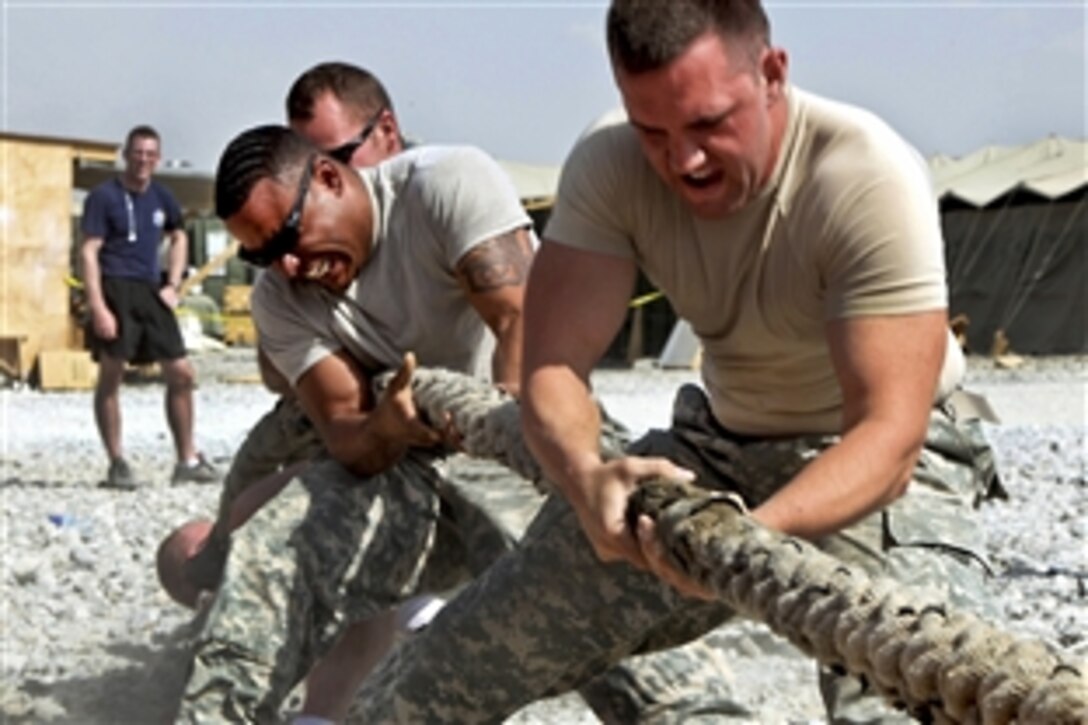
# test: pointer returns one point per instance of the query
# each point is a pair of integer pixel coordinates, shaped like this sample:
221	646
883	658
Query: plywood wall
35	244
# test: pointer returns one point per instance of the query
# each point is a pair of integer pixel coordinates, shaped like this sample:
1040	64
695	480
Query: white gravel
87	637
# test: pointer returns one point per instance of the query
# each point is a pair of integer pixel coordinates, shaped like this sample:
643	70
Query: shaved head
175	552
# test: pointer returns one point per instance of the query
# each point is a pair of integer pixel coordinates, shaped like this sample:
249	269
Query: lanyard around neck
130	207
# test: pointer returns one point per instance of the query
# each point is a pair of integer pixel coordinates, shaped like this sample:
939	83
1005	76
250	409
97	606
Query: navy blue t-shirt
131	225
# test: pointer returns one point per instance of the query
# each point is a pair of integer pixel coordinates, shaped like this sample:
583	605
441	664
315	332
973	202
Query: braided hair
263	152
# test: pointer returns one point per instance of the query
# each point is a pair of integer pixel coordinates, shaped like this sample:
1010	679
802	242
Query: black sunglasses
286	237
345	151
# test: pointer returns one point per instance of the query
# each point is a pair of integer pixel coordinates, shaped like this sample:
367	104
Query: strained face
285	238
704	123
301	233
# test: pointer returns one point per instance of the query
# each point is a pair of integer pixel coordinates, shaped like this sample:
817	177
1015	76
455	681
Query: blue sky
520	79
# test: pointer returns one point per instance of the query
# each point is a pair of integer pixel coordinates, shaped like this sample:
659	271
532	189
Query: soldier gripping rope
909	644
800	239
424	254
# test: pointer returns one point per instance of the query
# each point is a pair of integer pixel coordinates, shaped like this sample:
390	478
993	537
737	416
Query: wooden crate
66	370
238	329
12	354
236	298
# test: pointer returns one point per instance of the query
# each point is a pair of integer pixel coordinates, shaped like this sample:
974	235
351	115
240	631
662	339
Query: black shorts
147	330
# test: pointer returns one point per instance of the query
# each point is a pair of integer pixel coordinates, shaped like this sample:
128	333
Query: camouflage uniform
548	617
283	436
331	549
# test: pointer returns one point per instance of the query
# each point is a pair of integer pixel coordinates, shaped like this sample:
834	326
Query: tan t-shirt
432	205
848	226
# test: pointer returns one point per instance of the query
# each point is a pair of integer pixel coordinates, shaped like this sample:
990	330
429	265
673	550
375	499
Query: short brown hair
644	35
141	131
353	86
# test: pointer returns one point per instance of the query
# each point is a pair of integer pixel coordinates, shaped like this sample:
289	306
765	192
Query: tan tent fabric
1052	168
1014	221
533	182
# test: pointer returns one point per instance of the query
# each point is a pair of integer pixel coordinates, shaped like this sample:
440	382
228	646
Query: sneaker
119	476
199	472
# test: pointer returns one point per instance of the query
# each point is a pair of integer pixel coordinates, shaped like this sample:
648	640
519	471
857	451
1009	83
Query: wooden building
36	234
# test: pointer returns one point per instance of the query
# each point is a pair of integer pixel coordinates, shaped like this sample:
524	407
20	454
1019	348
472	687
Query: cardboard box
66	370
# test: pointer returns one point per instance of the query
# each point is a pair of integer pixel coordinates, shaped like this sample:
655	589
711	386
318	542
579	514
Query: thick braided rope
487	418
939	664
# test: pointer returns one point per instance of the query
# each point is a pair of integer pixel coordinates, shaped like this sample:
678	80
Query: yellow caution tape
214	317
646	299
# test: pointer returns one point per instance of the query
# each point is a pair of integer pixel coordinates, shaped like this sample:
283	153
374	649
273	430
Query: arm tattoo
499	262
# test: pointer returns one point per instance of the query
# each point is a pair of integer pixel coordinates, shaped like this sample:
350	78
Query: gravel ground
87	637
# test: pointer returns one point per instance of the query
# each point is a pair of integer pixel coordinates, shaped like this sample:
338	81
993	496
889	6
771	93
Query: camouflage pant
547	617
283	435
332	549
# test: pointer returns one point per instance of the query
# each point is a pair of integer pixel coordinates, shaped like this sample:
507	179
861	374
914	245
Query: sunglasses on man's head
345	151
286	237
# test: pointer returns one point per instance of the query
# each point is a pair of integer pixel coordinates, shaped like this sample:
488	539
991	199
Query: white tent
1050	168
534	183
682	349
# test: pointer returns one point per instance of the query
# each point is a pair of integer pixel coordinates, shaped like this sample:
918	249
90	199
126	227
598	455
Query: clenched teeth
317	269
